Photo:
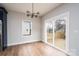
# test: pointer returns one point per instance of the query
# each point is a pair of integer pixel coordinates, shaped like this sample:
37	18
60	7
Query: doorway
57	33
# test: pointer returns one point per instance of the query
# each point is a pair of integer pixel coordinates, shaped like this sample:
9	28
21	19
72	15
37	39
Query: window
26	28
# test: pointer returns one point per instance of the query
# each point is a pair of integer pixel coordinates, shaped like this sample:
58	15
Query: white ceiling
43	8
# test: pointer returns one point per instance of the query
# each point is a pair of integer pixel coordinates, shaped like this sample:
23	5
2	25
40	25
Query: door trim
67	30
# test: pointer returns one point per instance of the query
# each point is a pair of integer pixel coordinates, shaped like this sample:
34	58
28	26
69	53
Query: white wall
14	28
73	9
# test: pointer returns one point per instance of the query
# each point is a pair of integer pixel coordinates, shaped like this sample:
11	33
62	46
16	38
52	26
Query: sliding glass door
57	32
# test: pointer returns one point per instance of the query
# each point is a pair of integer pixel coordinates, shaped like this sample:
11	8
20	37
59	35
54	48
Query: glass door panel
49	32
59	32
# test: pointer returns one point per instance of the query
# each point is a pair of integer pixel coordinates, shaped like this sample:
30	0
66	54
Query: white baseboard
23	42
57	48
12	44
72	53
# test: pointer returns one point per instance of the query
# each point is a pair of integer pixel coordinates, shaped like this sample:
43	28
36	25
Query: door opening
57	31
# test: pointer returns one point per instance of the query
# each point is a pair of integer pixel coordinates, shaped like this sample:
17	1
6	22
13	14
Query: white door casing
64	16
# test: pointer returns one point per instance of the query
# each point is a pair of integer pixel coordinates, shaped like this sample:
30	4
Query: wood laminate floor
32	49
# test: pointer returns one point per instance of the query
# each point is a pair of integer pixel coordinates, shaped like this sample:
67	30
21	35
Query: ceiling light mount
32	14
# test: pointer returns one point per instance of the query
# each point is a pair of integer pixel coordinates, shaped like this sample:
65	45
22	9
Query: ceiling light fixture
32	14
